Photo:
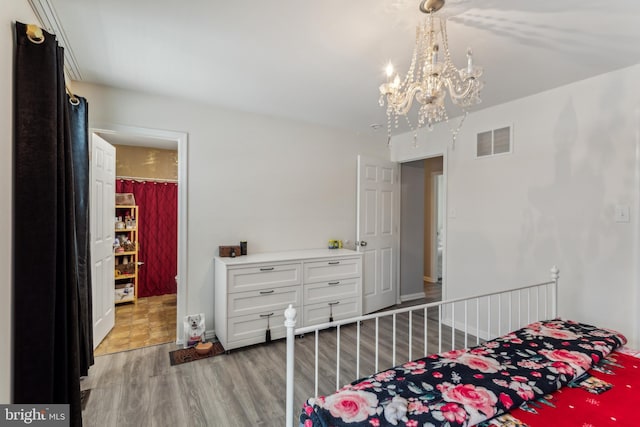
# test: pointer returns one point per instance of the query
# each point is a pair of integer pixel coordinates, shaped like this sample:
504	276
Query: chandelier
431	75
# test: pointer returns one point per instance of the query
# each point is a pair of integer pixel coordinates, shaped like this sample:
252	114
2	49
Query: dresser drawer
342	309
331	291
263	277
251	329
274	299
332	269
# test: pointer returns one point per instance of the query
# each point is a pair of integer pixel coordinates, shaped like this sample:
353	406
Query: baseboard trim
411	297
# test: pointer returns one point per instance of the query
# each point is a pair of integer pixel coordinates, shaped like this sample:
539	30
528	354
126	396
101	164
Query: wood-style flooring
432	292
245	387
150	321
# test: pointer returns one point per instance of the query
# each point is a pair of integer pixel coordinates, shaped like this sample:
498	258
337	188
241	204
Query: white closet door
102	205
379	231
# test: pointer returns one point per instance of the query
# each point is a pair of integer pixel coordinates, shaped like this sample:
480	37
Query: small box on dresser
255	289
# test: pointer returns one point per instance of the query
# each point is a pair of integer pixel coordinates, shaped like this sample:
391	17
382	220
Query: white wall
278	184
412	231
10	12
551	201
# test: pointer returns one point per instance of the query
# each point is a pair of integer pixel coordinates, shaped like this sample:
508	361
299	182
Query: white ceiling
323	61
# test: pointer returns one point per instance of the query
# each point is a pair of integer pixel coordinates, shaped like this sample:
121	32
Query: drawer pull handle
334	303
334	262
266	269
333	283
267	292
266	315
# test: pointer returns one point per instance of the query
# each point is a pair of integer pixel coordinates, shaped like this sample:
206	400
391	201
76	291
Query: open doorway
422	230
150	164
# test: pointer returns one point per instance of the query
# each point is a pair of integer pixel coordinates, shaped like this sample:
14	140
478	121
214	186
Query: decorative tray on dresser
252	292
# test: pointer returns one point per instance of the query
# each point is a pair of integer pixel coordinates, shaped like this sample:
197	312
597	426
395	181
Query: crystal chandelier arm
400	102
464	87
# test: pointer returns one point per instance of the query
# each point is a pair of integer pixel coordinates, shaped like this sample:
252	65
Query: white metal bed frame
446	314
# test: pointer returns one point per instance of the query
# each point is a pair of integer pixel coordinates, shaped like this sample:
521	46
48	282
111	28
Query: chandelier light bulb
389	70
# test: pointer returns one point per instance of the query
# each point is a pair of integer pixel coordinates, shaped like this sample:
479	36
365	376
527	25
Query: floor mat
184	355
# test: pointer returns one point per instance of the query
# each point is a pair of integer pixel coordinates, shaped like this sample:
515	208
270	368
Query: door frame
434	222
181	138
445	223
447	213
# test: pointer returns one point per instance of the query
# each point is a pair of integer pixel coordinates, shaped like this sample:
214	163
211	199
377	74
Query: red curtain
157	234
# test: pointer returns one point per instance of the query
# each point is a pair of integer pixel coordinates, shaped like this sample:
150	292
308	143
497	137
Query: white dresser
255	289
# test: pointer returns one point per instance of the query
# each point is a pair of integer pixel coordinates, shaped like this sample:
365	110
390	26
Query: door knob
361	243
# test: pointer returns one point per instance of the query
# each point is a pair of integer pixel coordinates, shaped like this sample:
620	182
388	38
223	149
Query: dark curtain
157	234
51	288
78	122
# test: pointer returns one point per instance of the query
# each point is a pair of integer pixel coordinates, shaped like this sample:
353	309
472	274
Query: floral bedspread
467	387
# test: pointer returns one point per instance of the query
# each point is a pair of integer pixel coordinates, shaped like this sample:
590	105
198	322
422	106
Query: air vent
492	142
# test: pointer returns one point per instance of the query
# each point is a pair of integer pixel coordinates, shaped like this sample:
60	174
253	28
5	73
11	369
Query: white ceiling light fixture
431	75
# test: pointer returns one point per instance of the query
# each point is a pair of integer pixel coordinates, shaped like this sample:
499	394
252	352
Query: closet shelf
126	262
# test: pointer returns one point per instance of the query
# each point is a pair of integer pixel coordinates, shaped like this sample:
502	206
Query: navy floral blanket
467	387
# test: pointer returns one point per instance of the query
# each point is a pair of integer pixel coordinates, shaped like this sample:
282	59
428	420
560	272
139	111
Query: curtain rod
138	178
35	35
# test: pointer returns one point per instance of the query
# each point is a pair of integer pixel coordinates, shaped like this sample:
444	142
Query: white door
103	176
378	231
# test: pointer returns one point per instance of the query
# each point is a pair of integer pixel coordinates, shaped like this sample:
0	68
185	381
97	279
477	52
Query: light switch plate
622	213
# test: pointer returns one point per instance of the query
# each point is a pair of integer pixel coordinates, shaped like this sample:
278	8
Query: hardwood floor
150	321
247	386
432	292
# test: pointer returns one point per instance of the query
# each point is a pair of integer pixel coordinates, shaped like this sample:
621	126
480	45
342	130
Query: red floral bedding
467	387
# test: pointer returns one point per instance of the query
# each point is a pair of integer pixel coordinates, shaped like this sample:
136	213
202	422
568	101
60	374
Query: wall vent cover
492	142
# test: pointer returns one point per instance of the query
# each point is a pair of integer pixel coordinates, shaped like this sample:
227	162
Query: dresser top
303	254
